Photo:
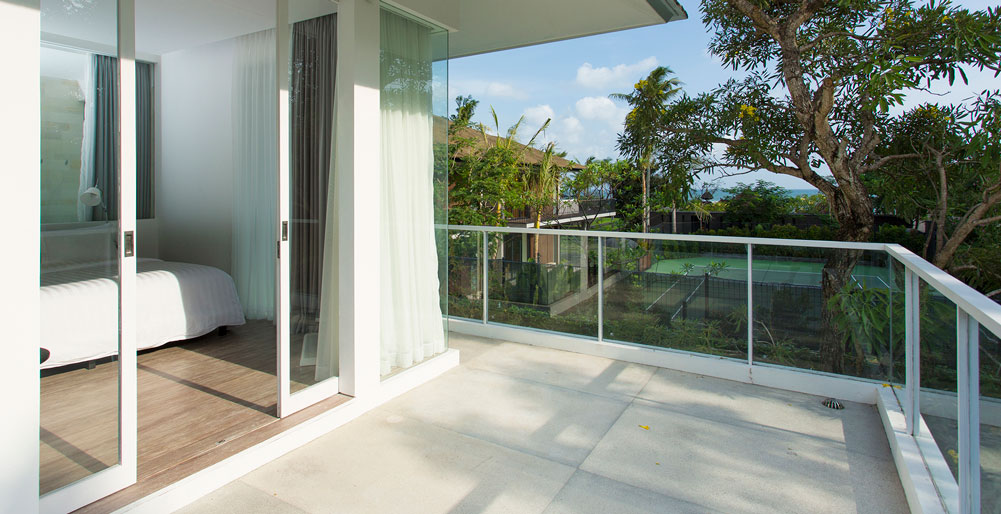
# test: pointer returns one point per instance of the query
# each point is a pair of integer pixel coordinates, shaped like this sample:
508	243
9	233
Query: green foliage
809	204
592	185
863	316
490	180
763	203
640	142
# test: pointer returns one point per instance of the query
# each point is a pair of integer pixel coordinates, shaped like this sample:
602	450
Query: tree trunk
674	218
852	210
534	248
646	207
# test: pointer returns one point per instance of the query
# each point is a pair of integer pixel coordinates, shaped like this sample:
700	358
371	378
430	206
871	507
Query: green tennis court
803	273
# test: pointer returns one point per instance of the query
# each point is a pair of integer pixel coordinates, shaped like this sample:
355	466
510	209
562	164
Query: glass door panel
308	235
82	216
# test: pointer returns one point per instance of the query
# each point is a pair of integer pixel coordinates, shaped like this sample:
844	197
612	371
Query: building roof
531	155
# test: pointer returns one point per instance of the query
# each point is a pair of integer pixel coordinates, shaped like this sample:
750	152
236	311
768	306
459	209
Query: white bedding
174	301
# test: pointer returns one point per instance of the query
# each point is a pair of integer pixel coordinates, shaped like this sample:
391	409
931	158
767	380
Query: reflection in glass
311	232
79	425
465	274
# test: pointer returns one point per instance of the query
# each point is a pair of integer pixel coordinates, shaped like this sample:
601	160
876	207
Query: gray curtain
144	141
106	137
311	94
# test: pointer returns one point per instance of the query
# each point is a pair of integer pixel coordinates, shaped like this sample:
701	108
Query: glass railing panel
850	324
939	401
550	291
990	422
465	274
680	295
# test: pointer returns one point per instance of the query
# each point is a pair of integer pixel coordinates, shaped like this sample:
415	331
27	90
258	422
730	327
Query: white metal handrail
972	308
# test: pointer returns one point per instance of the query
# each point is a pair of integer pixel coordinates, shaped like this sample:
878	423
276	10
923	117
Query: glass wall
80	407
414	79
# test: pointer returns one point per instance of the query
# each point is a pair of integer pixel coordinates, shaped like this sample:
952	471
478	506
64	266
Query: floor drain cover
831	403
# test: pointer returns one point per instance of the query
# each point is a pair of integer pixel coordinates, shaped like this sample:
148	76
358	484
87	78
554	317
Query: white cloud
536	116
601	108
485	88
618	76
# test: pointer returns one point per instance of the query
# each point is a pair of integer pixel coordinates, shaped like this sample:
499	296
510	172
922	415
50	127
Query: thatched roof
530	156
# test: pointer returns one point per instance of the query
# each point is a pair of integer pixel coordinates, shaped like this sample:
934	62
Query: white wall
19	158
194	184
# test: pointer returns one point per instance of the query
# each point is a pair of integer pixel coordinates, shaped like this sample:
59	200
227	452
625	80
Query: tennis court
775	271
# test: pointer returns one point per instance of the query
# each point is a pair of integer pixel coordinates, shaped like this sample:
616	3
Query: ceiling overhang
487	26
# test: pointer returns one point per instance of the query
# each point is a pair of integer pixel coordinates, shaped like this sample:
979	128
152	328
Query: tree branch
879	164
823	37
988	221
761	20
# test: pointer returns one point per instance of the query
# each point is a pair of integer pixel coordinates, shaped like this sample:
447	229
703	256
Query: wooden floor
194	397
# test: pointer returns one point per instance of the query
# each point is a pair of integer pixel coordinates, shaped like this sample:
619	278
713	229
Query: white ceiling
486	25
164	26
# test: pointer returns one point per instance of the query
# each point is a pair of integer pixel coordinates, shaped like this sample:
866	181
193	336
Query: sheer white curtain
255	174
84	212
411	315
327	353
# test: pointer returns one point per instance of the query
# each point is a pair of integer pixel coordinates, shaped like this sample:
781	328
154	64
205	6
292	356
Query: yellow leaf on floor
644	427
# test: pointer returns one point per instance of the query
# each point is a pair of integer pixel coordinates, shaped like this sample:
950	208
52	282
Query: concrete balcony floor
524	429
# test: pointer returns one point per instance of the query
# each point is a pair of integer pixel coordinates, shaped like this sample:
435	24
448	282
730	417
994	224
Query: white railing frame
974	310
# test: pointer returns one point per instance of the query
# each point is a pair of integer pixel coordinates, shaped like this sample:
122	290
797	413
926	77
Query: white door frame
123	474
288	402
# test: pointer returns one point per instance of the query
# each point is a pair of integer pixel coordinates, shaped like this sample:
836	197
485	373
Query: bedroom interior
206	202
226	328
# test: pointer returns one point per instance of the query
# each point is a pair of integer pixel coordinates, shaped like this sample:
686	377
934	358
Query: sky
569	81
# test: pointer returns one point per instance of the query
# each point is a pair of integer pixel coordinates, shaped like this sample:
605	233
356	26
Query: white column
357	165
19	157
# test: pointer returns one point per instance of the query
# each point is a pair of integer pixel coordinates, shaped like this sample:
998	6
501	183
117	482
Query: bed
79	303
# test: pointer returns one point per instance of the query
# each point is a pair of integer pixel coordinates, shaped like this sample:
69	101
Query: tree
955	182
485	177
591	188
639	138
541	187
763	203
822	75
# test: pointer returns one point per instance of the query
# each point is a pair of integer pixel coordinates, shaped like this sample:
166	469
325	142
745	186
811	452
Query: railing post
750	307
968	359
912	351
486	278
601	288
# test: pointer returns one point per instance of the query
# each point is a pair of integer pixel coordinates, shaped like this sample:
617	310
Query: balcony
866	322
653	372
520	428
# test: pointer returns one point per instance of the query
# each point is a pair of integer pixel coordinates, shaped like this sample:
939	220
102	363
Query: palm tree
541	188
639	136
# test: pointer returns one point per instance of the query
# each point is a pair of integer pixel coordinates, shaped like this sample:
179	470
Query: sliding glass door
308	354
87	426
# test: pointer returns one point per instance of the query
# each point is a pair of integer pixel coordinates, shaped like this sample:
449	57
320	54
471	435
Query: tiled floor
523	429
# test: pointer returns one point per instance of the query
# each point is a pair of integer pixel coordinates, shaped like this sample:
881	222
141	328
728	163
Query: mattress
174	301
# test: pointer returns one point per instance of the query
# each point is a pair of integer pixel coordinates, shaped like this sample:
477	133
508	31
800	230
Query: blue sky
569	81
